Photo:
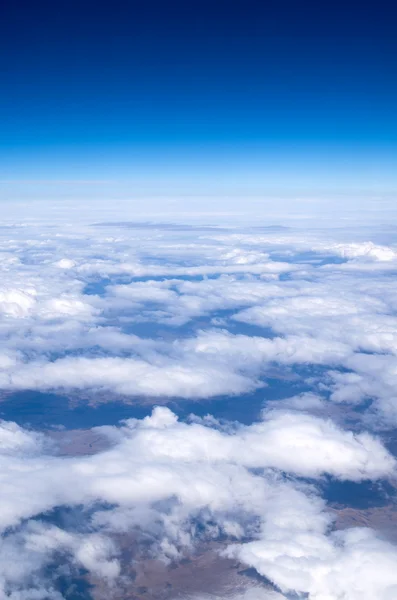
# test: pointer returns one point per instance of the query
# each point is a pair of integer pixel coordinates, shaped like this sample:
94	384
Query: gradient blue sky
195	97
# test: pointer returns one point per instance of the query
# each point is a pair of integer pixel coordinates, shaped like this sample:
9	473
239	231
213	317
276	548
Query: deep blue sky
253	95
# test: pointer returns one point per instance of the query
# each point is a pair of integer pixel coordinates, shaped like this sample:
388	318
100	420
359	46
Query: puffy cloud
69	300
210	364
26	554
17	303
65	263
129	376
354	564
370	377
367	250
311	241
291	442
319	313
162	476
16	440
182	300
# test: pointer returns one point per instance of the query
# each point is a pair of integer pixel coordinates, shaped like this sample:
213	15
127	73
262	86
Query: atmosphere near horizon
227	100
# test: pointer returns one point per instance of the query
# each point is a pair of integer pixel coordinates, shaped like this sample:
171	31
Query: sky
196	98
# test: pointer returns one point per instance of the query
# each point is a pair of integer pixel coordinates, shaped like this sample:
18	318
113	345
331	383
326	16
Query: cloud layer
160	314
168	477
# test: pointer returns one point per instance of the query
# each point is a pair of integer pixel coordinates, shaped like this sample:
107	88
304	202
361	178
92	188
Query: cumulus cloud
71	300
129	376
354	564
291	442
311	241
210	364
278	281
295	443
163	476
27	553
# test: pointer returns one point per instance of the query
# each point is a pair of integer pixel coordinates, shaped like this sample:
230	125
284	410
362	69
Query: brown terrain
205	573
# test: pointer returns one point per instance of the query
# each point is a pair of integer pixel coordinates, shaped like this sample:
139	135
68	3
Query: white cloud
212	363
330	302
65	263
291	442
17	303
209	472
353	564
129	376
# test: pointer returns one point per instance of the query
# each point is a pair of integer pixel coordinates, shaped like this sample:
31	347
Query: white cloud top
143	313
